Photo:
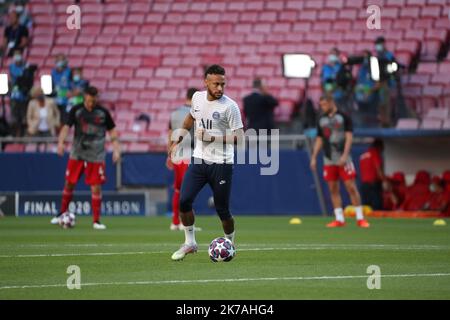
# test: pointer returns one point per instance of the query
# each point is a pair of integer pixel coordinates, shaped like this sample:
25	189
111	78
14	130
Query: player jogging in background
218	126
180	164
335	135
87	156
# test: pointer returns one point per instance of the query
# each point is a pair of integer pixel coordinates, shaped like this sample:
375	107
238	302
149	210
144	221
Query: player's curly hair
214	69
326	97
91	91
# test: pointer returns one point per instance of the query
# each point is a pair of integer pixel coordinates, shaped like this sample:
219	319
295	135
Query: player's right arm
62	138
65	130
348	127
169	163
316	149
174	141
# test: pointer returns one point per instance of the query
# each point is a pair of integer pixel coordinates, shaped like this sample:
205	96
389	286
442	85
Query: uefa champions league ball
221	249
67	220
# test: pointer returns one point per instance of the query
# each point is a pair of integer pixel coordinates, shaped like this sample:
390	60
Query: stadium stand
142	55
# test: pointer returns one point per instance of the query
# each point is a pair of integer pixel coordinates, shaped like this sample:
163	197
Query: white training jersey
218	118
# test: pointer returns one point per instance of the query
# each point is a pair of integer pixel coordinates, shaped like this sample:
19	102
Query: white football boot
55	220
99	226
183	251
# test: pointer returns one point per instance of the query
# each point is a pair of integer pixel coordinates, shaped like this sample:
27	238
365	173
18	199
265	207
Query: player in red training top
87	156
335	135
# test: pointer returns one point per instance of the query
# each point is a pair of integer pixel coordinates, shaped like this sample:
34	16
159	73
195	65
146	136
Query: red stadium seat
403	24
86	40
411	46
14	147
431	11
418	194
414	34
433	124
427	68
424	23
420	79
410	12
410	124
425	104
432	90
444	67
137	46
438	113
92	18
431	49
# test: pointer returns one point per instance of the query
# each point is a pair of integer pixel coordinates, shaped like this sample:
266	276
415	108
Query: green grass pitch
275	260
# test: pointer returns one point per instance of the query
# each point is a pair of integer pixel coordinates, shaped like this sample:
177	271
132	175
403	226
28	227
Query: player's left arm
347	148
348	128
169	163
114	137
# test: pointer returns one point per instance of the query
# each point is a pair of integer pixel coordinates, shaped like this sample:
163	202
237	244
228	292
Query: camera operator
385	87
18	97
365	94
336	79
15	36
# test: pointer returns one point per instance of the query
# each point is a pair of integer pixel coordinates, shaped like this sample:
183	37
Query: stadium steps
143	55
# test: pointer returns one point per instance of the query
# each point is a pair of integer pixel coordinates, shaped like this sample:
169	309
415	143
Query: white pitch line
199	281
345	246
50	255
290	248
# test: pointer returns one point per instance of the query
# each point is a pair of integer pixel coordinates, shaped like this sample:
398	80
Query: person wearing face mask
365	95
18	97
439	200
330	71
384	86
43	115
15	36
61	77
372	175
23	14
77	85
334	80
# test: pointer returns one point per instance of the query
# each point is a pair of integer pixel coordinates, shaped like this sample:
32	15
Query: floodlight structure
299	66
4	88
382	70
46	84
374	68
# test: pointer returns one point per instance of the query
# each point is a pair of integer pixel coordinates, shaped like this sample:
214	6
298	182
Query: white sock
339	213
189	233
359	213
230	236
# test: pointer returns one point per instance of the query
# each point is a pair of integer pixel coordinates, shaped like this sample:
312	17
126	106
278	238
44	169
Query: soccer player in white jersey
218	126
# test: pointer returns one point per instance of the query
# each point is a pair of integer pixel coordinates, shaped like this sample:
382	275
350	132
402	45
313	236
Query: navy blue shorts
217	175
